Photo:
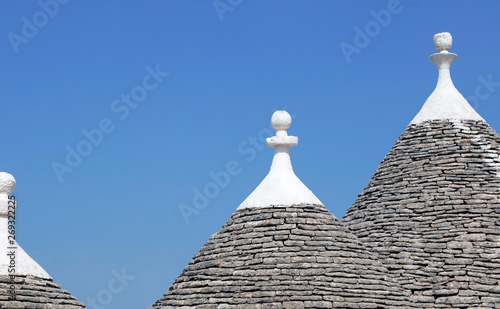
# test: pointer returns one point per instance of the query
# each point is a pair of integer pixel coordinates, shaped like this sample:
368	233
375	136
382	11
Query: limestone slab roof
297	256
431	211
35	293
277	251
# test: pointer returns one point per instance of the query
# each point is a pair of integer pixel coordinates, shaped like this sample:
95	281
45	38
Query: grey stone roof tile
35	293
296	256
431	213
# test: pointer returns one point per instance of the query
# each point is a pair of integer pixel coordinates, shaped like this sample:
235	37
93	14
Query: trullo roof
23	283
283	249
432	209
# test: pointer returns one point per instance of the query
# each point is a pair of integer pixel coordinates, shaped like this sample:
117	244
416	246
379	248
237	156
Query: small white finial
443	41
7	183
281	120
281	187
445	102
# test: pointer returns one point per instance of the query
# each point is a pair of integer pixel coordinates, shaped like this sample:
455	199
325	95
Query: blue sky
202	82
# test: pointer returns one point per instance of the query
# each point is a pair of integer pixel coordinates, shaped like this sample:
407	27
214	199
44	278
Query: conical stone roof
23	283
274	253
432	209
34	292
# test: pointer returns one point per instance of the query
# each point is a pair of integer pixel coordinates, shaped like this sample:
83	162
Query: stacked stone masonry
432	214
35	293
297	256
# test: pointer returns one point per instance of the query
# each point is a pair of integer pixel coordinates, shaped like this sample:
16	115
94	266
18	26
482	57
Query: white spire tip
443	41
281	187
7	183
445	102
281	120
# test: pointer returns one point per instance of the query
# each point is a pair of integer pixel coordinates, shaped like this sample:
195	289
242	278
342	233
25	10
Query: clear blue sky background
119	208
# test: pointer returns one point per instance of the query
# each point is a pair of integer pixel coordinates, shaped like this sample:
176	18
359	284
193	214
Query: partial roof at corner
24	264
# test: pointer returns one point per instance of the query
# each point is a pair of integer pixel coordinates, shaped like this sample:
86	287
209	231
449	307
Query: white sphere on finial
281	120
443	41
7	183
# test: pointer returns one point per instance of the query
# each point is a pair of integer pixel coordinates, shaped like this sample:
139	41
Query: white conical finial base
445	102
21	263
281	187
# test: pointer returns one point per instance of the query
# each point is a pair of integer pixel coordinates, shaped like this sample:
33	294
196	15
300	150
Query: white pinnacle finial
281	187
281	121
24	264
7	183
445	102
443	41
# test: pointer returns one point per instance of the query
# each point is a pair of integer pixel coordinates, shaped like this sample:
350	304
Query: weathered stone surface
297	256
431	213
35	293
